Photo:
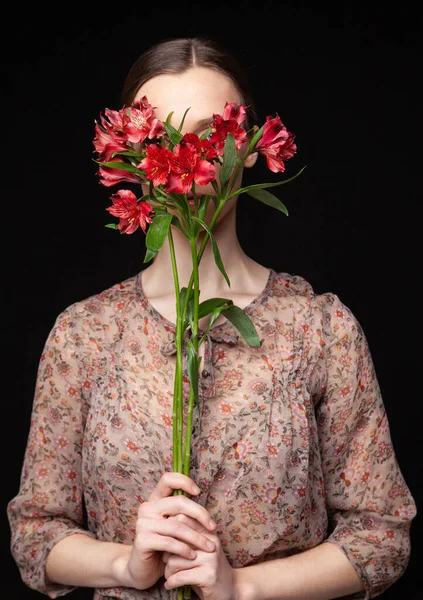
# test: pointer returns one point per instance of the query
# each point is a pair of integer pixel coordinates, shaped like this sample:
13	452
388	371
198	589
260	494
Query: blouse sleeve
370	507
49	503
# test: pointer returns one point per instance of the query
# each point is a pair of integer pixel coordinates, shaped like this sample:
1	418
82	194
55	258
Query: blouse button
205	373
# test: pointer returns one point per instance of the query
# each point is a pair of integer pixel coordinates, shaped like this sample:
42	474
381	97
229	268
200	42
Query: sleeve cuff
364	594
51	589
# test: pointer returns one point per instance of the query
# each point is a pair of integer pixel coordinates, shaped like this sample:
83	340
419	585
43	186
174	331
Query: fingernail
212	524
210	545
195	489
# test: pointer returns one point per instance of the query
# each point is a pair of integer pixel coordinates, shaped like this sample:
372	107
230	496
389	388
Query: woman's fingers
185	533
161	543
193	523
171	481
174	505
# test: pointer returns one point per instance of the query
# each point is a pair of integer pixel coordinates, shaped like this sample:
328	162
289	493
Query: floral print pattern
291	444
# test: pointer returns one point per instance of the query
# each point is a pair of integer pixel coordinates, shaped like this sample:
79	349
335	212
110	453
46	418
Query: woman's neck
243	271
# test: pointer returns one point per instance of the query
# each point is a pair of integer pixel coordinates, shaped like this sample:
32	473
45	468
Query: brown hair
177	55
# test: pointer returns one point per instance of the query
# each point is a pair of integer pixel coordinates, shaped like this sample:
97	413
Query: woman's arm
370	507
320	573
79	560
46	516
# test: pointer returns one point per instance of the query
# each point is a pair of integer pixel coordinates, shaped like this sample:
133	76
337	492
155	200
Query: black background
343	78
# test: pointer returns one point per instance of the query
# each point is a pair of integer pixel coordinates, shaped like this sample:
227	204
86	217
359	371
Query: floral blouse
291	444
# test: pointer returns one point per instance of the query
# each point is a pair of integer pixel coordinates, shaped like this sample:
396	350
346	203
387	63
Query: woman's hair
175	56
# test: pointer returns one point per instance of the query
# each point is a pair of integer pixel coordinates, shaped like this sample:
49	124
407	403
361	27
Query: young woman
300	493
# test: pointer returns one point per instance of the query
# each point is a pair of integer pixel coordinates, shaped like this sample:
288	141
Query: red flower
132	214
117	121
111	176
274	133
187	167
275	157
234	111
156	164
142	122
203	147
107	140
233	116
276	143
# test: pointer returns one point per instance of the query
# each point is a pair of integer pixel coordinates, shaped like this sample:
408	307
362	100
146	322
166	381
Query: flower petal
204	172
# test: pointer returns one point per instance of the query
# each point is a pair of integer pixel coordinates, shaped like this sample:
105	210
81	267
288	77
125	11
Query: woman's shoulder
294	284
104	307
327	310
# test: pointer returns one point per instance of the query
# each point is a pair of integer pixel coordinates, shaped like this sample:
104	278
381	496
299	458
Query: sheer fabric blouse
293	447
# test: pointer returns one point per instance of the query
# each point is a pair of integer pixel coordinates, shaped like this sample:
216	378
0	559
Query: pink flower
276	143
187	167
156	164
233	116
110	176
132	214
142	122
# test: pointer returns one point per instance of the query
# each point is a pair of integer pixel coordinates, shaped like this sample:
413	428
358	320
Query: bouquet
133	145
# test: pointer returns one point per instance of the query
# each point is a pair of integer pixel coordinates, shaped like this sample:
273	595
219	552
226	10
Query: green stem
185	592
177	392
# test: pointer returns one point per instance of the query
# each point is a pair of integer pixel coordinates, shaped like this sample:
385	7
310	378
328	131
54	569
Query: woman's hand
209	574
155	533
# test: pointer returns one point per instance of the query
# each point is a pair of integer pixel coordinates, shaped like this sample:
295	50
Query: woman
294	459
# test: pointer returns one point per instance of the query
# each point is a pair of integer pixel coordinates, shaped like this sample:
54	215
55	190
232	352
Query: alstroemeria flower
132	214
156	164
275	156
230	122
276	144
187	167
203	147
274	133
111	176
234	111
142	122
107	140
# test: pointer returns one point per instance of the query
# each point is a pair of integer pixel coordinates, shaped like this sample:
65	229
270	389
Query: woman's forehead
204	90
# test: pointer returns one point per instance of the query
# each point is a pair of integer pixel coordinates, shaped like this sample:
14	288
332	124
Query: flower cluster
133	145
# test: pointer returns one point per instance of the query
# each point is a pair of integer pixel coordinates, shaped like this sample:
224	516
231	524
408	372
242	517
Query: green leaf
177	223
174	135
128	153
269	199
157	232
202	209
261	186
112	225
216	253
160	211
243	323
149	255
122	166
192	366
234	314
183	119
216	188
255	139
151	190
212	304
206	133
229	159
